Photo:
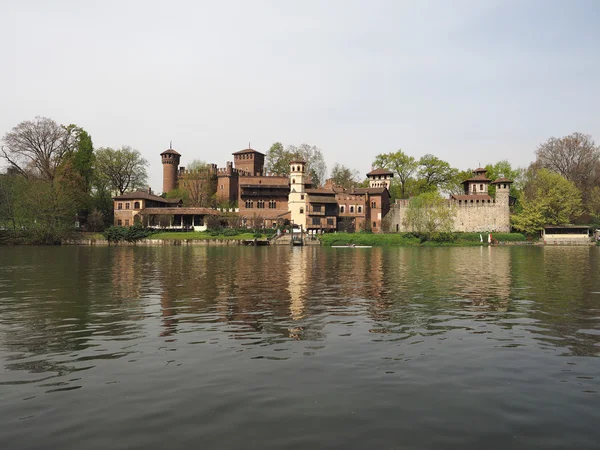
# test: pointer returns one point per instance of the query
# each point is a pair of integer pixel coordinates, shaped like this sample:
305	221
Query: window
301	210
374	224
360	209
119	205
373	204
260	204
317	208
474	188
136	205
293	181
119	222
342	209
249	204
222	187
481	187
302	197
126	222
316	221
352	209
272	204
329	221
127	205
397	228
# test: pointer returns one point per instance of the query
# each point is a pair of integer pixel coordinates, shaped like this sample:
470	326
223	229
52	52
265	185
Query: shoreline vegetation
139	235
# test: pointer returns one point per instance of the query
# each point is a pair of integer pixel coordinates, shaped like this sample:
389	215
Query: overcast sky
472	82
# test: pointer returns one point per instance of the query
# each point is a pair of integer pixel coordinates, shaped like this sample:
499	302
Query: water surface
281	348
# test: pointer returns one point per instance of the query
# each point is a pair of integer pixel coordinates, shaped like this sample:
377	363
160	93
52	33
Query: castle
255	198
473	211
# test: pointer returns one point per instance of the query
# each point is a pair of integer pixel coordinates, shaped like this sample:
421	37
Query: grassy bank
409	239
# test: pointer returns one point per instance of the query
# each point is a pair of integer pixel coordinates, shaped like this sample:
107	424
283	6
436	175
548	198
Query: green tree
593	203
429	213
435	173
504	169
548	199
198	185
121	170
344	176
82	156
403	166
278	160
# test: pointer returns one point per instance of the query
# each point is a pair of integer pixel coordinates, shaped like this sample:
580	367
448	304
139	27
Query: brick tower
170	160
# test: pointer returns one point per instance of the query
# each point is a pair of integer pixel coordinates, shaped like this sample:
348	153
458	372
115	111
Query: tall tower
380	178
297	195
502	191
170	161
502	205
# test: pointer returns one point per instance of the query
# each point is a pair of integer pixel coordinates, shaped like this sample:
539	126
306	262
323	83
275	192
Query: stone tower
502	191
297	196
170	161
380	178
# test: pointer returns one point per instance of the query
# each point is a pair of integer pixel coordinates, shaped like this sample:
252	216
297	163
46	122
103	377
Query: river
295	348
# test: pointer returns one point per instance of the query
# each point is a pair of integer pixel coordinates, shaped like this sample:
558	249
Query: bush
258	235
128	234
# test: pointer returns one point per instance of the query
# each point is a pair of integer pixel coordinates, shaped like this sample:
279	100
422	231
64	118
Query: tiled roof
477	178
502	180
377	190
142	195
381	172
320	191
247	150
184	211
170	151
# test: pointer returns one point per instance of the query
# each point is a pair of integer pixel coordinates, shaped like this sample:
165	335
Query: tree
548	199
37	148
455	186
401	164
121	170
278	160
429	213
83	155
344	176
593	203
504	169
574	157
200	183
435	173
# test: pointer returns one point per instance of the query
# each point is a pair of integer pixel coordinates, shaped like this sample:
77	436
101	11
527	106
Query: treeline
56	182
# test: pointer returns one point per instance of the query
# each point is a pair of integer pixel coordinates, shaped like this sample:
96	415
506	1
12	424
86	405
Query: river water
296	348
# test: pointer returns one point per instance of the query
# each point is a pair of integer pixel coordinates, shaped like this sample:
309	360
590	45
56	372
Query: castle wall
492	217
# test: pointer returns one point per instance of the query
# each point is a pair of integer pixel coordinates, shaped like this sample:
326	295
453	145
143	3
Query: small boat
351	246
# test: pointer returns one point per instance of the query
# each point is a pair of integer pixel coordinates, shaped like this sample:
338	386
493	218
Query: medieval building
473	211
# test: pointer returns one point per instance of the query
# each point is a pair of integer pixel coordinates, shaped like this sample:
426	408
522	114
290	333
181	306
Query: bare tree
200	181
575	157
37	147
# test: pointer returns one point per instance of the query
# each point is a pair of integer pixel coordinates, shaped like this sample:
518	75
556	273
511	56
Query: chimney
149	190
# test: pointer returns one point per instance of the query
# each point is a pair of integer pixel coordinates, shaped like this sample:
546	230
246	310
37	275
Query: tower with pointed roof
380	178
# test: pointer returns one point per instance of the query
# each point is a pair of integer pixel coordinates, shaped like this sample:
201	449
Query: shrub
129	234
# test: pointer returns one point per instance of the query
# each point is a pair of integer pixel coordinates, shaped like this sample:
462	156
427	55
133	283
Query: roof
502	180
580	227
372	191
143	195
479	170
321	199
170	151
481	197
381	172
247	150
266	186
184	211
297	161
477	178
320	191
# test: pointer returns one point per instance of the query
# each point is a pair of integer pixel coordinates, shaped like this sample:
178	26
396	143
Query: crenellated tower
170	160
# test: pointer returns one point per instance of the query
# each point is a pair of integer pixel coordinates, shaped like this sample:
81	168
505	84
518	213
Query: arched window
249	204
352	209
360	209
260	204
136	205
374	224
342	208
293	181
397	228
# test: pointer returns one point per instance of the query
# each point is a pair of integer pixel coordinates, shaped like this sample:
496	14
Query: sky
472	82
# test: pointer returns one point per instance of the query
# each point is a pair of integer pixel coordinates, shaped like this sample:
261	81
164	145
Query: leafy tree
455	186
429	213
435	173
37	147
548	199
278	160
504	169
83	155
344	176
121	170
198	185
403	166
593	203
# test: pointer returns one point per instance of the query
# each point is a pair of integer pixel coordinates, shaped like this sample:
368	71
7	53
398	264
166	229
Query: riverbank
411	240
